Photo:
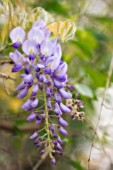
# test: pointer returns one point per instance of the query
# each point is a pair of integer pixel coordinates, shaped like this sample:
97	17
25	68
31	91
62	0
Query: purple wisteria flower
44	71
17	36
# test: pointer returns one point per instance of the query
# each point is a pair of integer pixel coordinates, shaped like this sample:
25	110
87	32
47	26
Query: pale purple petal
31	117
37	35
34	103
30	47
57	51
28	78
52	62
17	35
17	67
62	69
57	109
63	131
39	24
65	94
62	122
23	93
17	57
47	48
21	86
27	105
64	108
35	134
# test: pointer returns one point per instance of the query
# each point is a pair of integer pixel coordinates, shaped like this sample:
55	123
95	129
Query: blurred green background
88	56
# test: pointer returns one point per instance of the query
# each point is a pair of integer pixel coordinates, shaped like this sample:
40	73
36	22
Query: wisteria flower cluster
38	54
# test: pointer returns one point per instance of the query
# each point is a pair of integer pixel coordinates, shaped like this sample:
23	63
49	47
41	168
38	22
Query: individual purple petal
34	103
17	57
65	94
47	70
31	117
27	70
16	45
17	67
38	122
59	147
42	152
21	86
37	35
39	24
58	84
57	51
28	78
57	98
31	56
52	128
40	66
35	134
55	135
64	108
53	160
46	48
17	35
39	117
62	122
48	92
52	62
42	78
62	69
62	131
61	78
49	103
57	109
29	47
27	105
35	88
60	140
23	93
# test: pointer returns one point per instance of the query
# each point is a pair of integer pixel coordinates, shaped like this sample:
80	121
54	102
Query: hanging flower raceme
43	70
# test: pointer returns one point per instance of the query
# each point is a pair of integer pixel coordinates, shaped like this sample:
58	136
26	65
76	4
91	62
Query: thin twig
100	112
4	76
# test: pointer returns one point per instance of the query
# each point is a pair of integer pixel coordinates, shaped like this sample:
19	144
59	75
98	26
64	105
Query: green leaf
77	165
84	90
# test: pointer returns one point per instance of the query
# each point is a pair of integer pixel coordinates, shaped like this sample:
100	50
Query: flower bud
17	67
62	131
57	109
65	94
28	78
64	108
31	117
57	97
53	160
23	93
34	103
62	122
35	134
21	86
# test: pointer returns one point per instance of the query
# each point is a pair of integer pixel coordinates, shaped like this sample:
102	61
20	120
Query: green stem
47	124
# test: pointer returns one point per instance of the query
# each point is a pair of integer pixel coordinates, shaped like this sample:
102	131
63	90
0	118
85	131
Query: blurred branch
4	76
101	107
40	162
9	127
6	62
